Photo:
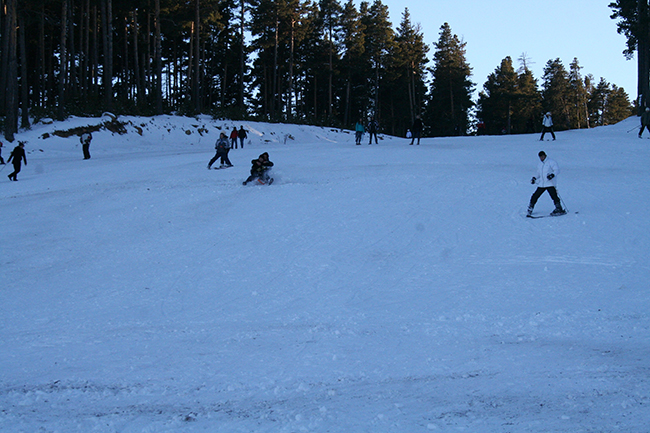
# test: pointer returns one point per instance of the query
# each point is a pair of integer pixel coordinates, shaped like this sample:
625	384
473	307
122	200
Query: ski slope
382	288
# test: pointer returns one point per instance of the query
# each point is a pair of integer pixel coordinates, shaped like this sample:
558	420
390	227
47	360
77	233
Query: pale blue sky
543	29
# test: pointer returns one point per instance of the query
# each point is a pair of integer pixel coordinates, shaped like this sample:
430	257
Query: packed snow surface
381	288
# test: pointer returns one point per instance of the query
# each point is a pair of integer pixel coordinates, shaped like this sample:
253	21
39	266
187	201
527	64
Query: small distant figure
408	133
260	170
16	157
242	135
222	147
546	180
85	140
233	138
416	129
358	132
373	126
2	161
547	126
645	121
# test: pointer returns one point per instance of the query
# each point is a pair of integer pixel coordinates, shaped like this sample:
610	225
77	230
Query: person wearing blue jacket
546	181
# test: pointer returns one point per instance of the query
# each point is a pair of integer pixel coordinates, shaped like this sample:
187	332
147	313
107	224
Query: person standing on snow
222	148
416	129
645	121
547	126
85	140
233	138
242	135
547	171
358	131
372	130
2	161
17	156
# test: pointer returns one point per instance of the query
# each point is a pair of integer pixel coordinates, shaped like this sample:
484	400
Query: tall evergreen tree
450	100
355	63
578	97
556	93
406	84
634	23
496	102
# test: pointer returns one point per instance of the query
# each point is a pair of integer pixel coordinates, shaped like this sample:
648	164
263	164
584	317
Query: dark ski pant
538	193
16	171
641	130
223	156
547	129
416	134
86	149
373	133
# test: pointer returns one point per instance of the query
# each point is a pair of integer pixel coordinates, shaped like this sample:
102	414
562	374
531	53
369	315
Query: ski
548	216
222	167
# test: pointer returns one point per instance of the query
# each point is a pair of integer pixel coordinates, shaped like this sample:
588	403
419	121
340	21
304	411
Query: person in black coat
260	169
241	134
17	156
372	130
416	129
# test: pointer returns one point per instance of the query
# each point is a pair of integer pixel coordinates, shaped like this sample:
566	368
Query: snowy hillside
383	288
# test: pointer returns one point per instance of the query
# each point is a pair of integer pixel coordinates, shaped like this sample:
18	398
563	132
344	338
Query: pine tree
578	97
634	23
496	102
406	76
528	106
556	93
355	64
450	100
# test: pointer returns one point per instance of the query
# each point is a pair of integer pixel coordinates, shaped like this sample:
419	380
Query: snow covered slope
383	288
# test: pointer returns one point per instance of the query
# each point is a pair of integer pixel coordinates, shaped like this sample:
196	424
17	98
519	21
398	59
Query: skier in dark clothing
222	148
85	140
416	129
242	136
372	130
17	156
260	169
2	161
645	121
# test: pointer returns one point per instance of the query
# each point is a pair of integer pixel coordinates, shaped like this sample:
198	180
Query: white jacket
547	121
543	170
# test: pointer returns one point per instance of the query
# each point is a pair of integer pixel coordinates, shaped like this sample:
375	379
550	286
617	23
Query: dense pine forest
318	62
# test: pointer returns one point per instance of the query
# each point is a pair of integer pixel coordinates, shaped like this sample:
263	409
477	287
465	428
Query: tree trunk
24	82
63	60
158	59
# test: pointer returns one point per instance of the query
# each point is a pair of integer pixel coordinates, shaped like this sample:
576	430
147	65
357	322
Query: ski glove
533	180
550	176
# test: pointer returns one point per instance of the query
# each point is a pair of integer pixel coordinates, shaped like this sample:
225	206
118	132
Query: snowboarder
85	140
373	126
416	129
242	135
547	171
2	161
233	138
17	156
222	148
645	121
260	169
358	131
547	126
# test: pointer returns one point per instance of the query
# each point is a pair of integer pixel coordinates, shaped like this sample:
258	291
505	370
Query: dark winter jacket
645	118
259	166
417	126
242	133
17	155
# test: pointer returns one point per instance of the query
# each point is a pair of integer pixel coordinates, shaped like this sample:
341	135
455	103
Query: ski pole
636	127
563	203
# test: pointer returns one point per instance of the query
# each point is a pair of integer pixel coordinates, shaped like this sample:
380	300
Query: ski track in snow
372	288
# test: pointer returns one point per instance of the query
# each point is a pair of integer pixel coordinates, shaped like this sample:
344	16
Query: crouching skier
260	170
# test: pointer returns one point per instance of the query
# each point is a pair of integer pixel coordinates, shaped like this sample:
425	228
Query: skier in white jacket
546	180
547	126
